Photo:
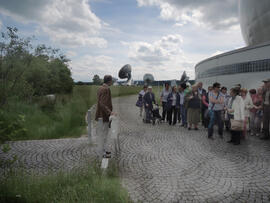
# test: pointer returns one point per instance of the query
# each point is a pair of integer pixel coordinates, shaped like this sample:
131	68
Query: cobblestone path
164	163
43	156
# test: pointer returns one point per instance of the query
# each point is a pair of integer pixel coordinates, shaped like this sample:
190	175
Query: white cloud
85	67
157	52
71	54
69	23
217	53
163	57
217	14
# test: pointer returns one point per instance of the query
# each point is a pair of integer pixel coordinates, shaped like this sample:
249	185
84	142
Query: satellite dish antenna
184	78
125	72
148	78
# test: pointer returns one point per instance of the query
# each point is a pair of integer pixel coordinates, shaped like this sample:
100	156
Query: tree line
27	70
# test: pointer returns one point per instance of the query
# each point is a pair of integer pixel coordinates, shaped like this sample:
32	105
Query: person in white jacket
236	111
248	105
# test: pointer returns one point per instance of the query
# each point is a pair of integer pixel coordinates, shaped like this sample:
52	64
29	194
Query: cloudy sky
162	37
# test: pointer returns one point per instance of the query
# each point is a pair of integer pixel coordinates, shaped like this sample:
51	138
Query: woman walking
173	104
140	99
194	108
236	111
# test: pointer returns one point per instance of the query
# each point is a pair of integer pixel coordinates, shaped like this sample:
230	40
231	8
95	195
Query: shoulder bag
208	112
237	125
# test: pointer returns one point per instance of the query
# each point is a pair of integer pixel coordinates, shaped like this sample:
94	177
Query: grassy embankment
65	118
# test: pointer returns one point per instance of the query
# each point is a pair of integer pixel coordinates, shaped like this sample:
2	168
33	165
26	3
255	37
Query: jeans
172	111
183	113
215	118
164	111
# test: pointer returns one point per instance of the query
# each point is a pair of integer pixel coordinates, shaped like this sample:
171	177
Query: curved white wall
247	54
254	18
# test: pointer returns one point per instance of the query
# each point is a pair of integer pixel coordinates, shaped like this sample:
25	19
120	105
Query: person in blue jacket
173	105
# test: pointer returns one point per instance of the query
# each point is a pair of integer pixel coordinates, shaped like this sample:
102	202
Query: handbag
208	113
237	125
139	103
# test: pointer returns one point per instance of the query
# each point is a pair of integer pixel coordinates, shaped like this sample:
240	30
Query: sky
161	37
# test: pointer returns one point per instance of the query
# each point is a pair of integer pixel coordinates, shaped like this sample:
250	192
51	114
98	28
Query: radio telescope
148	78
125	72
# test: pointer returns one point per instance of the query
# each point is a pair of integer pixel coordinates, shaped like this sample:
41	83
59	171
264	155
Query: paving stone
185	165
162	163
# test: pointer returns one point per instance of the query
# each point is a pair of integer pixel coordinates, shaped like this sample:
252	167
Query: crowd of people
239	111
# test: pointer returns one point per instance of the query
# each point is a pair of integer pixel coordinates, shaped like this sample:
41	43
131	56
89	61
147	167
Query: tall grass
85	185
63	119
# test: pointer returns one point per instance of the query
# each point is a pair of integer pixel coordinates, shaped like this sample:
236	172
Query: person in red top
256	112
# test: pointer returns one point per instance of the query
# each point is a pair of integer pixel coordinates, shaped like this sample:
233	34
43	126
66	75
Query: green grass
88	185
64	119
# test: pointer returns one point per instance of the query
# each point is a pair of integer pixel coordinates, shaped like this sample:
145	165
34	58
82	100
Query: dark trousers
183	113
172	112
236	136
266	120
164	111
202	115
179	117
215	118
148	112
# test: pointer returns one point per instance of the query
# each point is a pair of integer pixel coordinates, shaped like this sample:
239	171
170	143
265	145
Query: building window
253	66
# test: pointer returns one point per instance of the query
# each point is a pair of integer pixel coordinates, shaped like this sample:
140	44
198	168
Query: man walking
266	109
103	112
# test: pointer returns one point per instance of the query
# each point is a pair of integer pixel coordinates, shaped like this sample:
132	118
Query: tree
15	58
26	71
96	80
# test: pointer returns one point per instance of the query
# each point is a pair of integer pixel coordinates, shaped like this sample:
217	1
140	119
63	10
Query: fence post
89	123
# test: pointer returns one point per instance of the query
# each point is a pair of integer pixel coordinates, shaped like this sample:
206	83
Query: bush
11	127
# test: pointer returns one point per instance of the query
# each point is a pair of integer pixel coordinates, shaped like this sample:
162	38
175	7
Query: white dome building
247	66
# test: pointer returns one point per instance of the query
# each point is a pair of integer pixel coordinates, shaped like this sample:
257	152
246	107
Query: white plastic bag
114	130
